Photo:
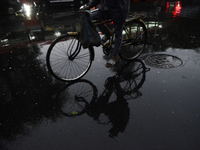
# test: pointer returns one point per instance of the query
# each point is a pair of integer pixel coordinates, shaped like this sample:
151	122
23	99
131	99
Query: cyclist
117	11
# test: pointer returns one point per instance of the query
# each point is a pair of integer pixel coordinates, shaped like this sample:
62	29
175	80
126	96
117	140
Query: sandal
110	63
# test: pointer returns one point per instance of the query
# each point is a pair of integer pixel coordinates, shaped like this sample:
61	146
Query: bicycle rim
134	39
67	60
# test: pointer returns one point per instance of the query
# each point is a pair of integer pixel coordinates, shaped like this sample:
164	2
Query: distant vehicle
50	3
10	6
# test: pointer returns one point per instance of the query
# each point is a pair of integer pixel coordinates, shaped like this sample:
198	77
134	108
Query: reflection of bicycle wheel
132	76
75	96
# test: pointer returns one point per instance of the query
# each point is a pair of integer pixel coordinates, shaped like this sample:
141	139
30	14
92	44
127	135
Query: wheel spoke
134	40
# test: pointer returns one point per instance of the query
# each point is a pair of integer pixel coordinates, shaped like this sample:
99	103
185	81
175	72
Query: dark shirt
118	9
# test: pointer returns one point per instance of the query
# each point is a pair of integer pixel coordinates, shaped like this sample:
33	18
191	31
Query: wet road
37	112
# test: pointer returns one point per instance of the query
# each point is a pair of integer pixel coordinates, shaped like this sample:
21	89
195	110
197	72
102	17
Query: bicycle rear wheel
67	60
134	40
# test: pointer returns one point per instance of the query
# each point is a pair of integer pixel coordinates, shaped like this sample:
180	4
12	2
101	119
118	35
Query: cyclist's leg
118	38
117	45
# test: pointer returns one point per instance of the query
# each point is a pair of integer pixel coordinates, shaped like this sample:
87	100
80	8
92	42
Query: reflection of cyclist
81	97
117	10
117	111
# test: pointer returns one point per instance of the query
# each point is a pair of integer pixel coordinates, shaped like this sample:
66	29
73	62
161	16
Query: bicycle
68	61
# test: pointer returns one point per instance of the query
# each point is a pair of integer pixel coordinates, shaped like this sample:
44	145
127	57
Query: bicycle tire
134	40
67	60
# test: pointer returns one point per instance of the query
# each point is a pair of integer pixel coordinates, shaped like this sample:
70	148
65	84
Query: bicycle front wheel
67	60
134	40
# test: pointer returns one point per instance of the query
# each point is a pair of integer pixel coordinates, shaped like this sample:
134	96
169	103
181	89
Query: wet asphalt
37	112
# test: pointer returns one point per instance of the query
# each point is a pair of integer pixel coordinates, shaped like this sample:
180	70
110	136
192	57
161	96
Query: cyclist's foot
111	62
105	38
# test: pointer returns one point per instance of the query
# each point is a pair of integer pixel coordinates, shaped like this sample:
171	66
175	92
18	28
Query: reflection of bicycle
68	61
111	106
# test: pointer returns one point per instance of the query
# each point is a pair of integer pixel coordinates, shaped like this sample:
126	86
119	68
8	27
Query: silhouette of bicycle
81	97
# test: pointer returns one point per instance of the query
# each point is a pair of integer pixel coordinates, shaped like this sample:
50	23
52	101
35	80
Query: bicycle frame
128	33
130	38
